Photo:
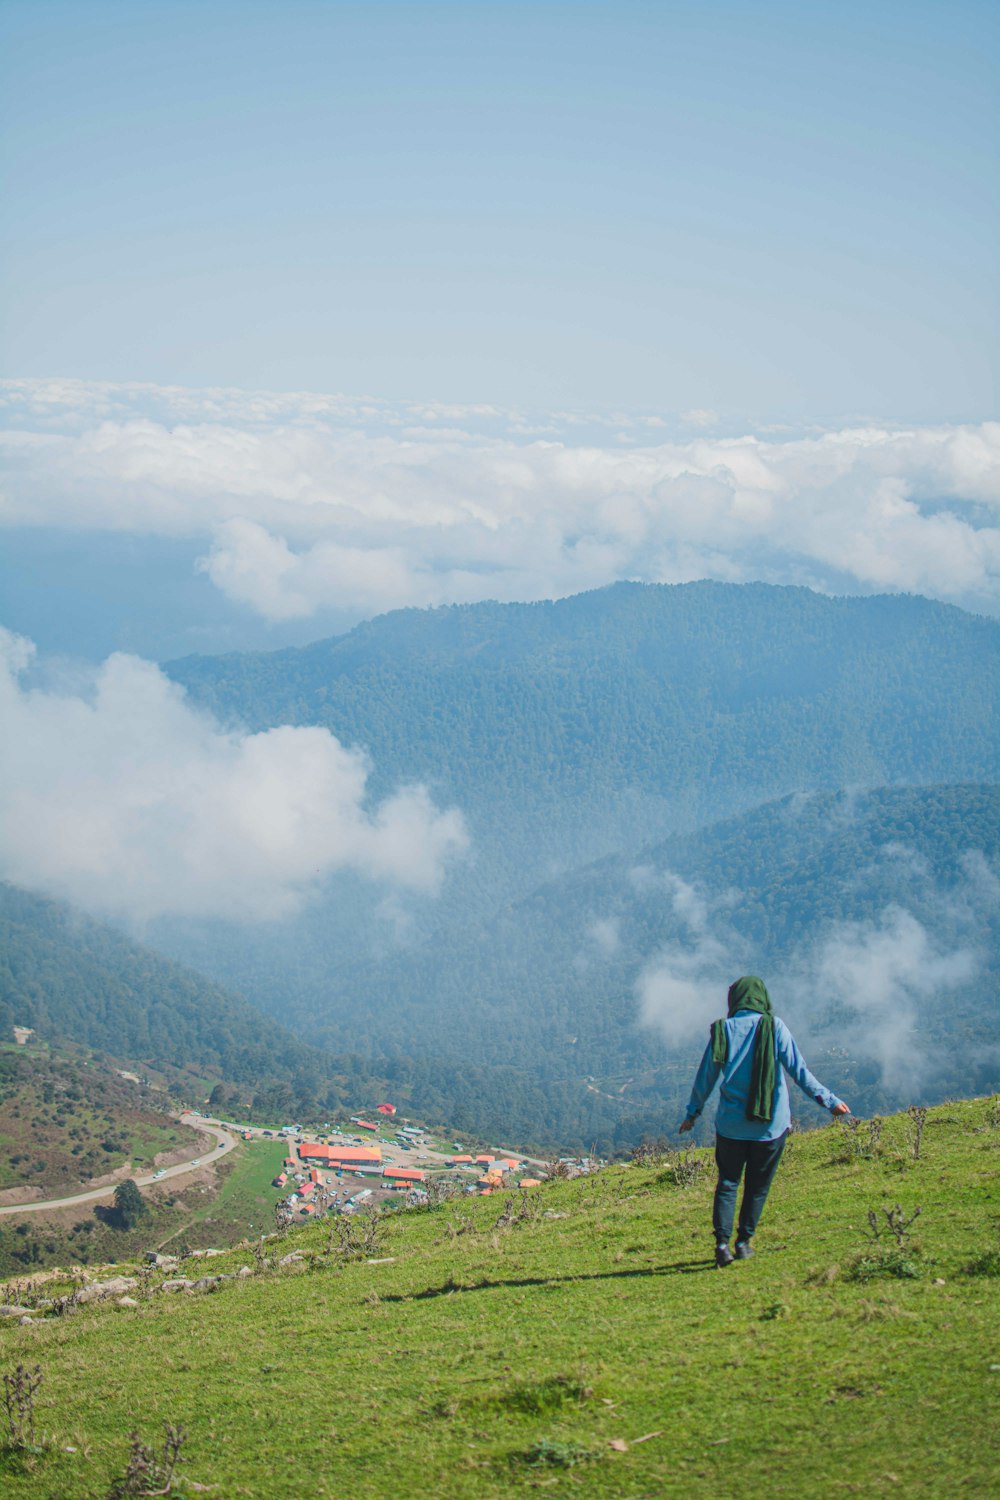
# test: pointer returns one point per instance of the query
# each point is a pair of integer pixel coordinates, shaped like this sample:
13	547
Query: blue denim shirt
734	1090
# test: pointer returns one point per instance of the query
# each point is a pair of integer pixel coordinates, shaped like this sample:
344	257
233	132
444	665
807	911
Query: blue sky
776	212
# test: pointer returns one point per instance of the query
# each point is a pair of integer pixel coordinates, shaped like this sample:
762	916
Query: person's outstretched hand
685	1125
838	1109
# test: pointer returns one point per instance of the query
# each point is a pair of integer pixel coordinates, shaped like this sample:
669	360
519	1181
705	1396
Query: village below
196	1180
342	1170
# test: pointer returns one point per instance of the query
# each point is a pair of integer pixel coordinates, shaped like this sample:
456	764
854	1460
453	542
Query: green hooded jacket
750	993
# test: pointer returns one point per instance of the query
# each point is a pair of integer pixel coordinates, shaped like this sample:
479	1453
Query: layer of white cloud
127	801
869	983
683	987
313	502
878	975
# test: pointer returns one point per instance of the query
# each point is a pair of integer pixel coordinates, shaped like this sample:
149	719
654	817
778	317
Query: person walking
753	1118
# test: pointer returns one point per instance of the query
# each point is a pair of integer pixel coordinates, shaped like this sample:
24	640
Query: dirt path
224	1144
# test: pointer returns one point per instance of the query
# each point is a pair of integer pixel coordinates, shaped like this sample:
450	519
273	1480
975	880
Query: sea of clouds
311	502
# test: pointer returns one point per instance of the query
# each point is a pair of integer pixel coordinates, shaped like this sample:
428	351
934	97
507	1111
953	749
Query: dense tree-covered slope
691	700
66	976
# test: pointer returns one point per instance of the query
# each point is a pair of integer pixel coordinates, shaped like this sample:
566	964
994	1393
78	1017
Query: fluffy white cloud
126	800
310	502
683	987
860	986
877	975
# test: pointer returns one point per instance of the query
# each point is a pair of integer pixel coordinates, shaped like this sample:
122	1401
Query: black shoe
723	1256
744	1249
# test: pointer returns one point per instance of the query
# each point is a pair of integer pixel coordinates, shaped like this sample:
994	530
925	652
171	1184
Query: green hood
750	993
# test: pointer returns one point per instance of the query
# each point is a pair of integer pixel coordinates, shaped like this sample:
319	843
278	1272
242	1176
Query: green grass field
246	1198
488	1360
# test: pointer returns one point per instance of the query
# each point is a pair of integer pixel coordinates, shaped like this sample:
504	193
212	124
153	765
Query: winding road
225	1143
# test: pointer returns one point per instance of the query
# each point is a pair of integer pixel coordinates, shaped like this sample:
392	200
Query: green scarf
750	993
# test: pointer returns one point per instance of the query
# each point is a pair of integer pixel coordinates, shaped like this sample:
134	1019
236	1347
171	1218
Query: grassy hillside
215	1206
68	1119
589	1348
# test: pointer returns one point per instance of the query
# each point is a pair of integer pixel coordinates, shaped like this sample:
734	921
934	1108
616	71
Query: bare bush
650	1153
16	1293
147	1473
918	1121
683	1168
889	1252
517	1210
19	1391
262	1261
862	1139
897	1225
442	1189
357	1236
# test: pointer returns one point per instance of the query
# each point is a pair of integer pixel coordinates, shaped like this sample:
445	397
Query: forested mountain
68	977
647	707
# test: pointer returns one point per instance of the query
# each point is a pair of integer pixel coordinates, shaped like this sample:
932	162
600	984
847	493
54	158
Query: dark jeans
760	1159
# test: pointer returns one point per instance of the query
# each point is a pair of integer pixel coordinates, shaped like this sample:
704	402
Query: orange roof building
340	1156
403	1174
385	1109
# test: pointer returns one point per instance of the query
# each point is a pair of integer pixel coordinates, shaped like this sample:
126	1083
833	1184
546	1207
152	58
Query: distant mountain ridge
701	698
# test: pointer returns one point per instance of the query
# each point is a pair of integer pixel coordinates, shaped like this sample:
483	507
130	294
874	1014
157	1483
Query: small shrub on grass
556	1453
650	1153
517	1210
683	1169
534	1397
146	1473
861	1140
462	1224
890	1252
897	1263
15	1293
19	1391
357	1236
918	1122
